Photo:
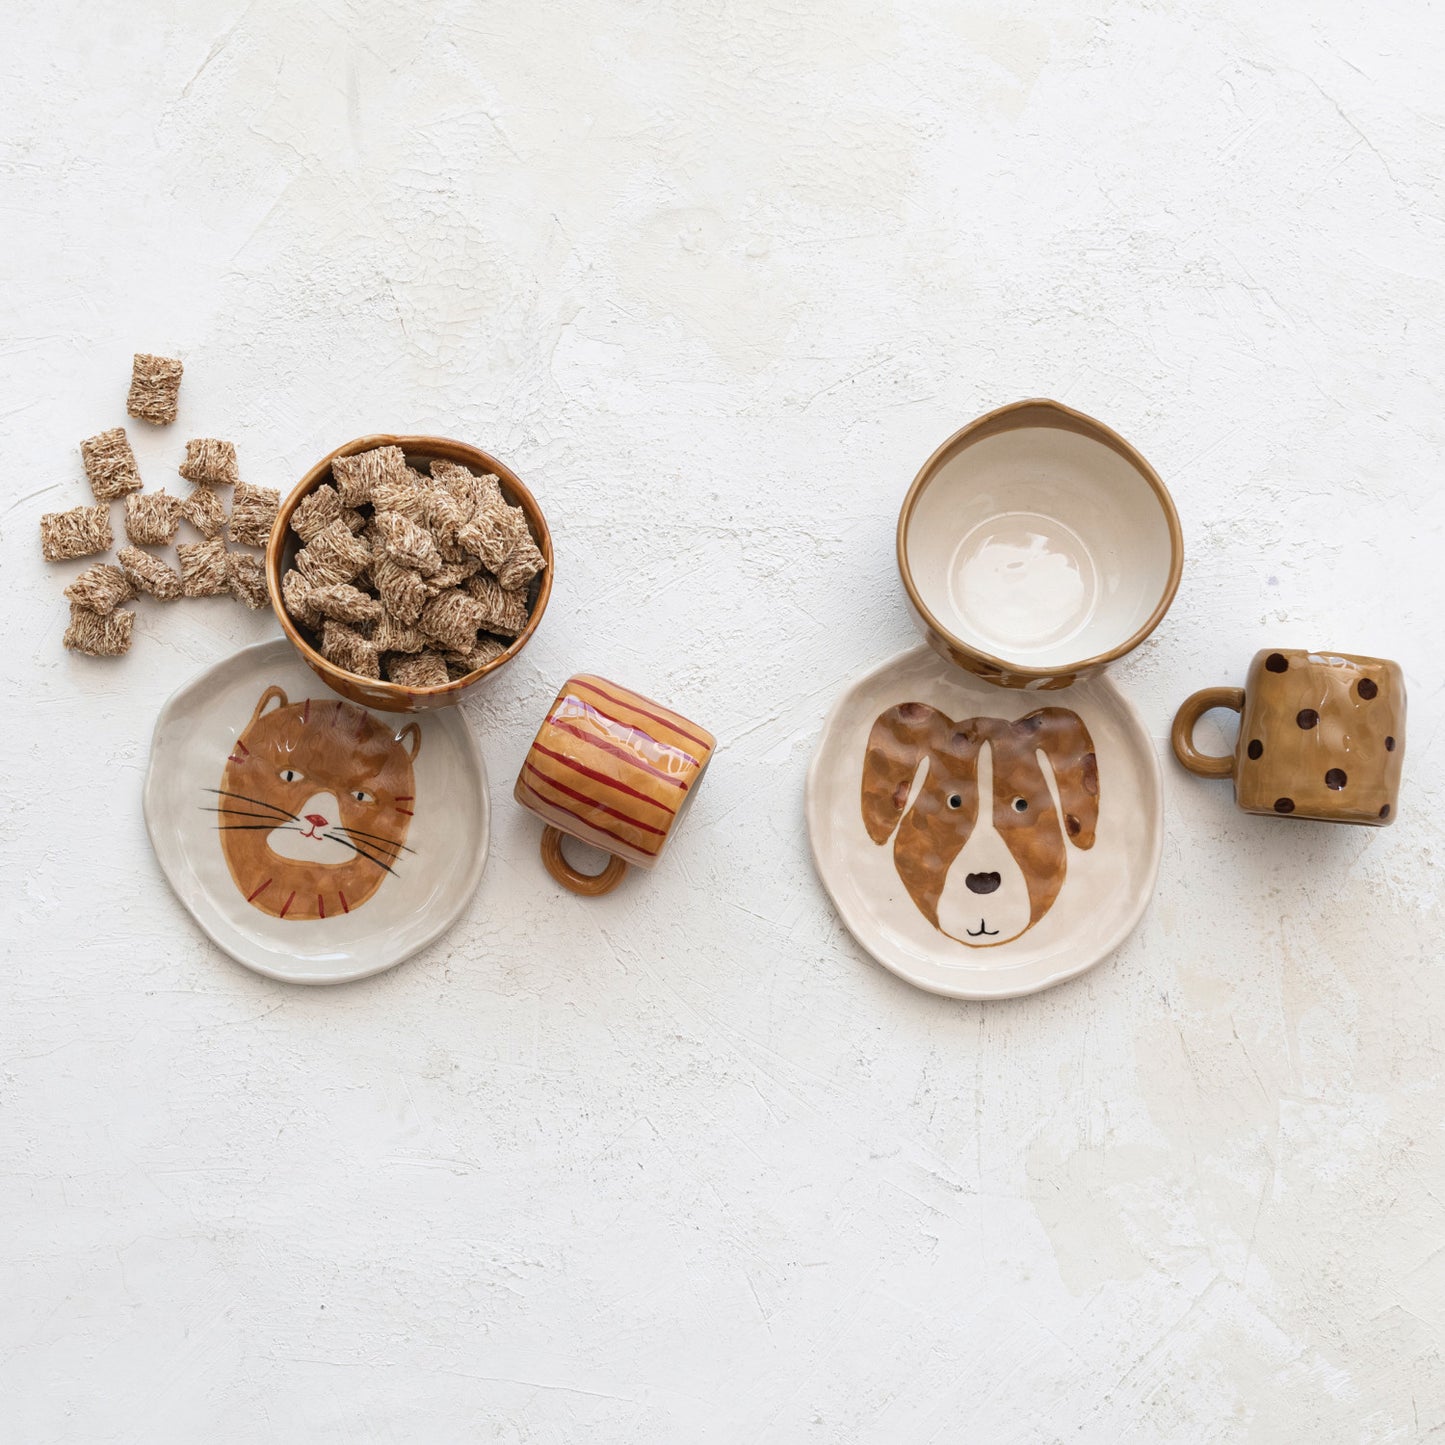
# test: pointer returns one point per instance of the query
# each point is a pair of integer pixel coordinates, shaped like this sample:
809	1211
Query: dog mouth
982	931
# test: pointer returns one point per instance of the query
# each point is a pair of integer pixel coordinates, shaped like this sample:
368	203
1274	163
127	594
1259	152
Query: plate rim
447	919
971	991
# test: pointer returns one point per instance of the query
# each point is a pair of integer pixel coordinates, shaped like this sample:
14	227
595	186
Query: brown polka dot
1307	717
1072	824
1336	779
1255	749
1284	805
1367	688
1389	745
1385	811
1277	662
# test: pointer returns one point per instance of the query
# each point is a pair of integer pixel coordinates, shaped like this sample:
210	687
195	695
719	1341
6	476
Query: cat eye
290	775
363	797
1020	805
955	801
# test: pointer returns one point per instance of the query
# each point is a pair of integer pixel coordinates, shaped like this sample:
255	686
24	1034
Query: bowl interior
1039	546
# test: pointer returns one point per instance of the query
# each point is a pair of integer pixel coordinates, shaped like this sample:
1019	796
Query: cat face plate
980	841
315	841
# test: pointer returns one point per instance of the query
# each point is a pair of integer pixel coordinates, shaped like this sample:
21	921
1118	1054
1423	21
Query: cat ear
272	694
411	731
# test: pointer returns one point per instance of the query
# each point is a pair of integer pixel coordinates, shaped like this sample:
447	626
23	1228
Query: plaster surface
681	1164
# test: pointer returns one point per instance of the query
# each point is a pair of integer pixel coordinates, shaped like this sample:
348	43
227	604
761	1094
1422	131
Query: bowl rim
1018	416
446	449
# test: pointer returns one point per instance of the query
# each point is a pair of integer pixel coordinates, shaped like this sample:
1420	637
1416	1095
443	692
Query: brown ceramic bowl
393	696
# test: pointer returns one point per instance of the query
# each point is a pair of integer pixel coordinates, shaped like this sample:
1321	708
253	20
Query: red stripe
670	722
600	777
633	730
320	906
593	803
242	748
233	759
595	827
407	812
403	798
345	907
286	905
619	753
254	896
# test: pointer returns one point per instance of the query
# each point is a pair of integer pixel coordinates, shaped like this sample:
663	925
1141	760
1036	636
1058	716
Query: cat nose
982	882
317	820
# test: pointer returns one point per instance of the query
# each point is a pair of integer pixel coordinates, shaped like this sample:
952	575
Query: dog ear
901	738
1062	736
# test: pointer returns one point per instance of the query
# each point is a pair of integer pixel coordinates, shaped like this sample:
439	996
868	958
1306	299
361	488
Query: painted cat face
314	805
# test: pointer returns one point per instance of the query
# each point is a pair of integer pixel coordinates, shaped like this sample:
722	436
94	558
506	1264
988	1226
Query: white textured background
681	1165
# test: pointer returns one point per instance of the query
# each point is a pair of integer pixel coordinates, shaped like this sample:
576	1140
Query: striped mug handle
589	885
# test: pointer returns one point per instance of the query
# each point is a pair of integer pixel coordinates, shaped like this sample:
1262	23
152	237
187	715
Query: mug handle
1206	765
589	885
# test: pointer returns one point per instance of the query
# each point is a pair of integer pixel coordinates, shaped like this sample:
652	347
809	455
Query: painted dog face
981	851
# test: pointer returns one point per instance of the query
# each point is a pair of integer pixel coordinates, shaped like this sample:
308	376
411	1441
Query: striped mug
614	769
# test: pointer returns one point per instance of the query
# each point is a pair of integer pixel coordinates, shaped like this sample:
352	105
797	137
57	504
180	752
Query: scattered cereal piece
393	635
503	611
205	570
332	555
418	669
80	532
205	511
155	382
210	462
407	544
246	576
110	464
347	648
345	603
253	513
149	574
452	620
99	634
356	476
101	588
297	594
152	518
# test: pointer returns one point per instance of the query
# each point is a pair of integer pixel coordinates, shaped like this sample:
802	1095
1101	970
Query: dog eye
290	775
1021	805
955	801
363	797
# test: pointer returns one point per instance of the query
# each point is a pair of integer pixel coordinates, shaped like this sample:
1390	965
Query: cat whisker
240	813
370	858
259	802
377	838
256	828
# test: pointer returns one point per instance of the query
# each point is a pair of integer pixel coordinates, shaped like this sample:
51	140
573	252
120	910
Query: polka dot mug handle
1182	733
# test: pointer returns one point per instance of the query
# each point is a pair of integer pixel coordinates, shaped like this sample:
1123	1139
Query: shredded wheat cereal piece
503	611
407	543
205	511
149	574
356	476
253	513
152	518
348	649
298	595
110	464
523	562
316	510
155	382
210	462
404	493
99	634
451	575
401	590
80	532
462	483
487	649
354	519
101	588
452	620
417	669
332	555
393	635
205	571
442	514
345	603
246	577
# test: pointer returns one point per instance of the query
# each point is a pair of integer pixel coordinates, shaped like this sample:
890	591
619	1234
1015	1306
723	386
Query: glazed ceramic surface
614	769
980	842
420	450
1036	546
314	840
1321	736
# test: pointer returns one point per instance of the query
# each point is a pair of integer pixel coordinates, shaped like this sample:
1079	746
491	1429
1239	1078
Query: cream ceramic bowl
1036	546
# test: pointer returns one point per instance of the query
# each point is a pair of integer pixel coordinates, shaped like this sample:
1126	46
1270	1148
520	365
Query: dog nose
318	820
982	882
